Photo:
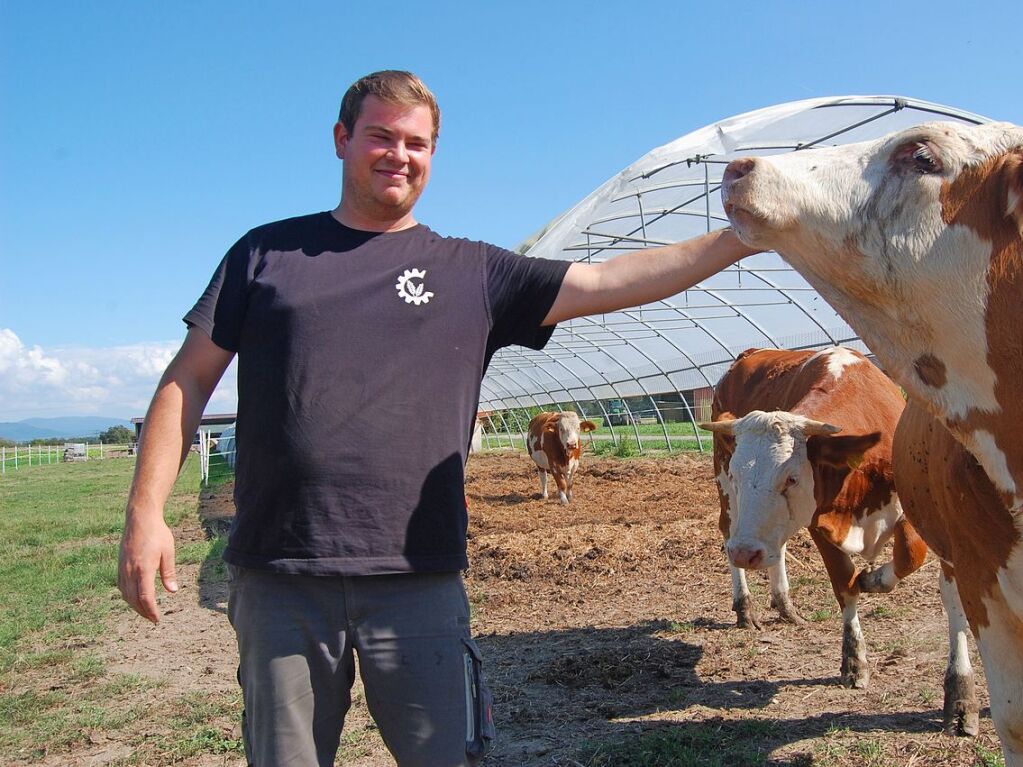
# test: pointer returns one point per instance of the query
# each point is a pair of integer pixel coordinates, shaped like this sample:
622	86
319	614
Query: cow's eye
924	159
790	481
919	157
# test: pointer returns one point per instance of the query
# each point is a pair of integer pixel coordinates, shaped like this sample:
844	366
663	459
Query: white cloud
115	381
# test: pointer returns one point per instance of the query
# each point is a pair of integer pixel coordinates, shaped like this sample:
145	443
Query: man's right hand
146	548
171	421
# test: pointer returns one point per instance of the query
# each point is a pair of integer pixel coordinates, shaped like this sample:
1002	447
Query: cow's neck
958	353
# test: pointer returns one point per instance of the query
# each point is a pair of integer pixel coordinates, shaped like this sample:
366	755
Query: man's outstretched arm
147	545
644	275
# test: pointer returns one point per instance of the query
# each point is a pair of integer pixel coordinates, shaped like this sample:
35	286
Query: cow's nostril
736	169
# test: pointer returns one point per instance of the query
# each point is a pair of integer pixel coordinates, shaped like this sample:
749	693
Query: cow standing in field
553	442
790	468
917	240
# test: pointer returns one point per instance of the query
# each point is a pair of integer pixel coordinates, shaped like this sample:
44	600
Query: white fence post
3	459
15	456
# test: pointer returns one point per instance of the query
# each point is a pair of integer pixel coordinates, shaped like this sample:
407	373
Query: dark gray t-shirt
360	356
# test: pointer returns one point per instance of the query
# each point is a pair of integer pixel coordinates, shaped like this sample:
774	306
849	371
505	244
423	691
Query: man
362	339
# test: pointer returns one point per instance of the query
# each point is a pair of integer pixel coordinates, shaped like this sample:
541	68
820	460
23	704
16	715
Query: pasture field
60	694
606	628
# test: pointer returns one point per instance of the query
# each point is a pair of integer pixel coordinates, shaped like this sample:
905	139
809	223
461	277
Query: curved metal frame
598	344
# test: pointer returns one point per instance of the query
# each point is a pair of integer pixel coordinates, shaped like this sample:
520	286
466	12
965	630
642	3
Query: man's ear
340	139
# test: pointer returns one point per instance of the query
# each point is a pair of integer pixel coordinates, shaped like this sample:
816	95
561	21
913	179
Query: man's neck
354	220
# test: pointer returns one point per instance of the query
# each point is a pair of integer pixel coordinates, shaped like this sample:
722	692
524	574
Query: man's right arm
174	414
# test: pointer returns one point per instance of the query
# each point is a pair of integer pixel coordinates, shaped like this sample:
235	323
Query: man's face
387	158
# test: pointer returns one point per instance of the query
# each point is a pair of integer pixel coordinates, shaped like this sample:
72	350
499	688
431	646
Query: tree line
115	435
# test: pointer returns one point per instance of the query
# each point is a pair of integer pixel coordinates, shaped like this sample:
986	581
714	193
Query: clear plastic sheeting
669	350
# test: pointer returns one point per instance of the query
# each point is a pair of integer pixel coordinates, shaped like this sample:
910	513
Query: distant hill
55	428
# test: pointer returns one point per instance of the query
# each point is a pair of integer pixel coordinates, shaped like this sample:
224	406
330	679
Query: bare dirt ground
607	624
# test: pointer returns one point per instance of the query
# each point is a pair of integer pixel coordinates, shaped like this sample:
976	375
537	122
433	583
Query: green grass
59	534
691	744
988	758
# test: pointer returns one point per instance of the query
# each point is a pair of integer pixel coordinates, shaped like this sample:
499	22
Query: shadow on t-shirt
435	536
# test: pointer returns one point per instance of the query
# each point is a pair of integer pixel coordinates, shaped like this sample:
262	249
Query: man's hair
393	86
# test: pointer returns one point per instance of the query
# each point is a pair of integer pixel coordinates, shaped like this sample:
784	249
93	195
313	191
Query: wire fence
18	457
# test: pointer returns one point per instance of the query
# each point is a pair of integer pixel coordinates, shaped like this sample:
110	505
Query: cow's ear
587	426
841	452
1015	188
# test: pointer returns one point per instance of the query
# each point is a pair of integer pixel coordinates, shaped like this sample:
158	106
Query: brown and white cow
788	468
917	240
554	445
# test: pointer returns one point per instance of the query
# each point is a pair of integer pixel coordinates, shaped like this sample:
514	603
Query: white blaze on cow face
569	430
769	486
870	226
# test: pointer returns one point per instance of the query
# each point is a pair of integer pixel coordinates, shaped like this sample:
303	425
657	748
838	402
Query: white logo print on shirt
413	292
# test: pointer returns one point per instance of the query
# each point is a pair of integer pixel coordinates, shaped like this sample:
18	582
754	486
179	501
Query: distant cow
789	468
917	240
553	444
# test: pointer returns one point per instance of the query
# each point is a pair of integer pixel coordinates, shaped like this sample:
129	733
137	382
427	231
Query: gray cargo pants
420	668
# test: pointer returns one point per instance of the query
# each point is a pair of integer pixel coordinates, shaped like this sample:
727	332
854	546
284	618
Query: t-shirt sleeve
521	291
220	310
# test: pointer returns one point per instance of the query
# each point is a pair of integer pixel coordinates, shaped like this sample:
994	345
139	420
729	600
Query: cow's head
773	478
568	428
916	239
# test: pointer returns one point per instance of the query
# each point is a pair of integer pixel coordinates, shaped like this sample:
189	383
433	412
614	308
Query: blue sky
138	141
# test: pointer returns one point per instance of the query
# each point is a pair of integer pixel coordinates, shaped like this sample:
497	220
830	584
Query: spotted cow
804	440
917	240
553	444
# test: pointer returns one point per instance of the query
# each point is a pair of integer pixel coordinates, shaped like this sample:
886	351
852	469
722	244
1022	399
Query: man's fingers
167	572
145	605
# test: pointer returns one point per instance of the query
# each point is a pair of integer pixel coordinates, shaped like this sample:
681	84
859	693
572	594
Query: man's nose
398	152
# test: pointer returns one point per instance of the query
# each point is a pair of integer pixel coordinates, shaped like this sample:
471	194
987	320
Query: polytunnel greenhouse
647	374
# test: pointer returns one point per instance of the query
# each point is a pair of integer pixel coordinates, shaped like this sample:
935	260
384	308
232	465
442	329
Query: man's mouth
393	174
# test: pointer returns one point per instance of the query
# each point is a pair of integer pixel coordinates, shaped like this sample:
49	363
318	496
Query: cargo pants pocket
479	716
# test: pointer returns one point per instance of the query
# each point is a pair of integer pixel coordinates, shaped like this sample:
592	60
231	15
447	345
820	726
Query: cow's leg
1002	653
909	552
742	603
780	599
543	482
961	711
842	571
569	478
559	477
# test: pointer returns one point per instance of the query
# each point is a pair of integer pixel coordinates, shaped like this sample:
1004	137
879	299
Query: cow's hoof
855	680
745	615
961	710
873	582
855	674
787	611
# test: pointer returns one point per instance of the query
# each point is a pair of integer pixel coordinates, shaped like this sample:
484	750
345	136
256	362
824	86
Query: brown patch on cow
930	370
954	506
978	199
908	549
841	570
